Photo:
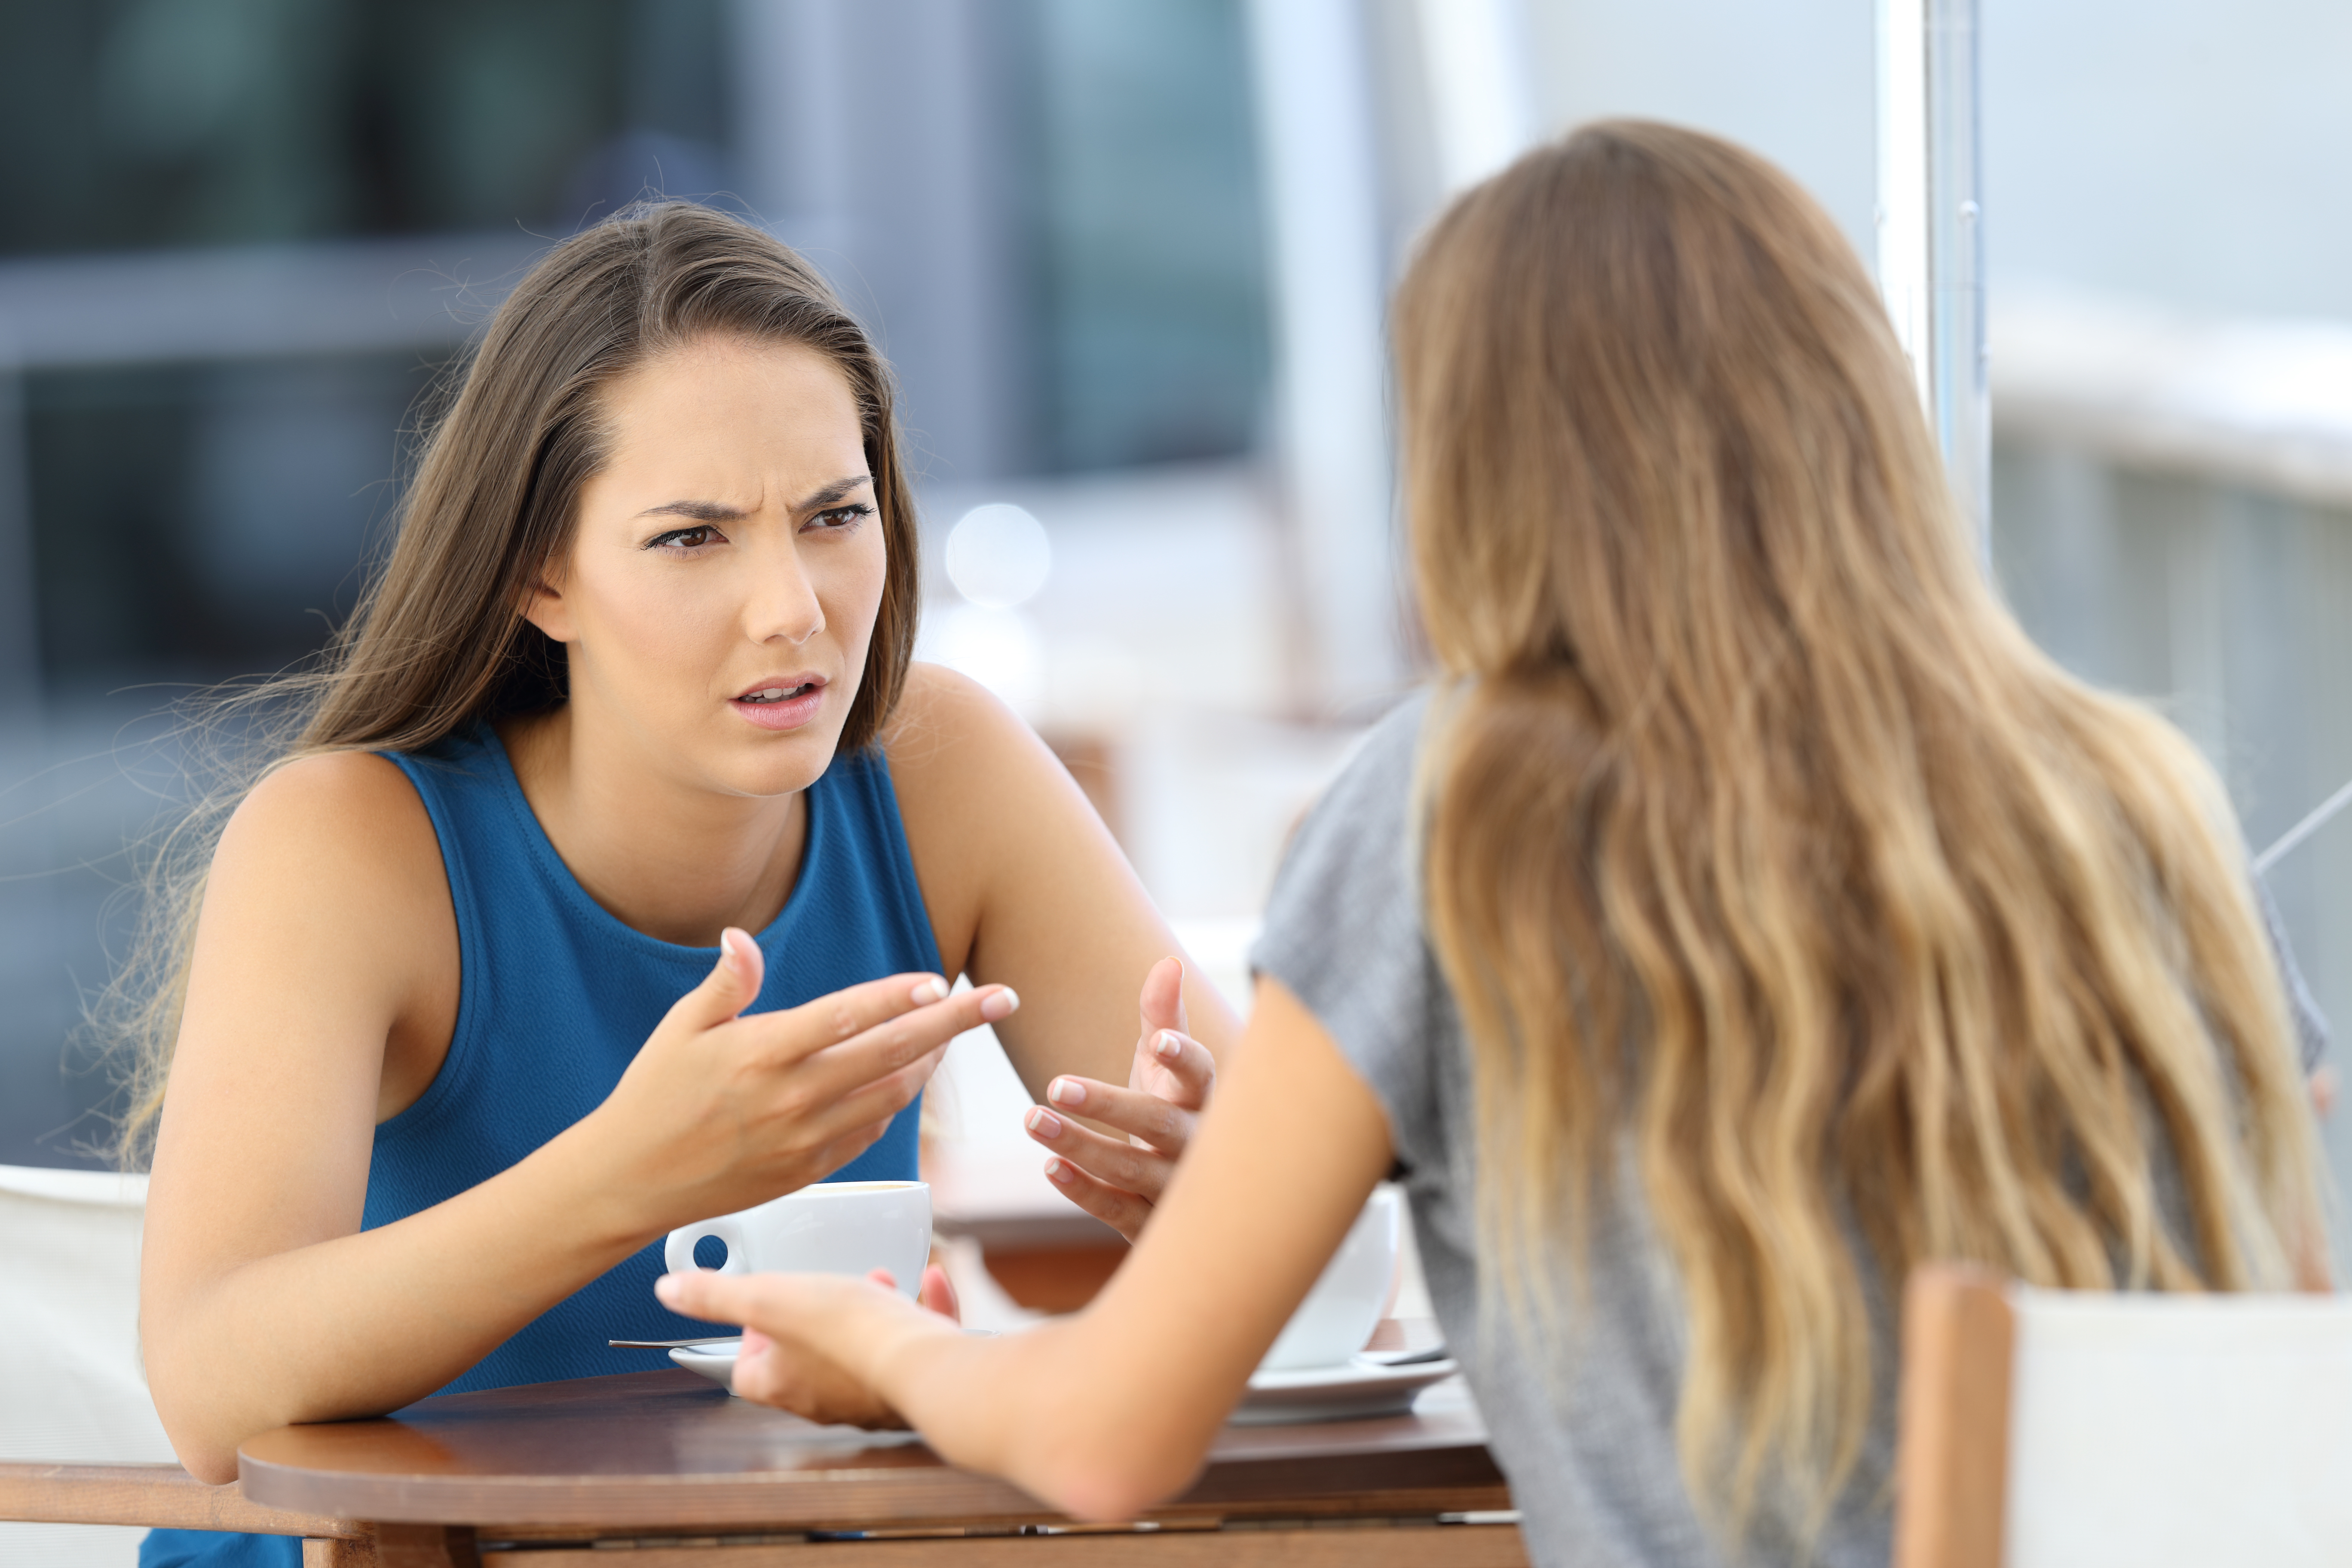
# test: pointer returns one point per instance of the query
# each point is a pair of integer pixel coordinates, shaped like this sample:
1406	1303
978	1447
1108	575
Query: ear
544	604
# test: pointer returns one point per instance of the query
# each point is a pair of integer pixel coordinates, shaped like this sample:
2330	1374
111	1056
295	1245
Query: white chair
2056	1429
70	1386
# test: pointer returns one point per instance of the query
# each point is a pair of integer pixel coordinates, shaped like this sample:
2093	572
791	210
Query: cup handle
678	1253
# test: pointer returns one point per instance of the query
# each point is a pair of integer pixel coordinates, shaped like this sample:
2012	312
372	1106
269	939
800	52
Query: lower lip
789	714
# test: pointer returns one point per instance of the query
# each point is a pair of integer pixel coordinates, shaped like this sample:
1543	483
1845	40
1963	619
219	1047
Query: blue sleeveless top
555	997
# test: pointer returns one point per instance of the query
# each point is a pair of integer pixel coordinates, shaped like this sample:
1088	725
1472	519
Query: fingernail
929	990
1169	1046
1057	1173
730	947
999	1004
668	1288
1066	1091
1044	1122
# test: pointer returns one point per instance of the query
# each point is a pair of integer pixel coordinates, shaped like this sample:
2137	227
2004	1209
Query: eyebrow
835	491
712	511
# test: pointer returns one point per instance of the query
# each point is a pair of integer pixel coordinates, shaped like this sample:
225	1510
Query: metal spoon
672	1344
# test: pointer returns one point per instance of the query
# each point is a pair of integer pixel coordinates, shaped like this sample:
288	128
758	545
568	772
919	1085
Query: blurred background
1129	261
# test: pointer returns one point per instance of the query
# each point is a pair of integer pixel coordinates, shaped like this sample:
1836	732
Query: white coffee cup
827	1227
1340	1312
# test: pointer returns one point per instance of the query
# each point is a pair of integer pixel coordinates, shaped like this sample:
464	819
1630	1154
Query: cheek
849	585
652	624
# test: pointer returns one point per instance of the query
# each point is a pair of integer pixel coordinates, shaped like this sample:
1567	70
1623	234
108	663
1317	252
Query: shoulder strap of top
457	781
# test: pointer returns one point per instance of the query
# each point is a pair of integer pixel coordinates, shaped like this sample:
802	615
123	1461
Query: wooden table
561	1475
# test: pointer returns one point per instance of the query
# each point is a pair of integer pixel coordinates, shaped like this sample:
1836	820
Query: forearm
366	1322
1108	1412
1104	1413
1106	1445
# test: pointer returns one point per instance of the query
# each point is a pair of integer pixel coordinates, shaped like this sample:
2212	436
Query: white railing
2173	517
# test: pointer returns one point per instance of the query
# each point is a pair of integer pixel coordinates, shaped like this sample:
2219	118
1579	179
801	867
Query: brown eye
687	539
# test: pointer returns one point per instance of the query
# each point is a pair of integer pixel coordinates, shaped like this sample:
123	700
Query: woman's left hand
1119	1181
810	1340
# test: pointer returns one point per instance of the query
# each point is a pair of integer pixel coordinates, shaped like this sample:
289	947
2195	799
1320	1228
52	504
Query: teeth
771	694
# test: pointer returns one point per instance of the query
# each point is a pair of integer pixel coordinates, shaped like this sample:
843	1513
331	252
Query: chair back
2064	1429
70	1386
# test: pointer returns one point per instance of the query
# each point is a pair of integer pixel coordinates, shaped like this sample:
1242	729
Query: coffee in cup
827	1227
1340	1312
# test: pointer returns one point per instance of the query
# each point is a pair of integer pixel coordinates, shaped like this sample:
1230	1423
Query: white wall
1794	79
2188	151
2183	150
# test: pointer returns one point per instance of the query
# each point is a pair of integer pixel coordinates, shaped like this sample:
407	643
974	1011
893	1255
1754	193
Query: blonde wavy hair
1765	852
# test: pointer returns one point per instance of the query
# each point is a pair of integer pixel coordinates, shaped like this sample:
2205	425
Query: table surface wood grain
655	1452
157	1496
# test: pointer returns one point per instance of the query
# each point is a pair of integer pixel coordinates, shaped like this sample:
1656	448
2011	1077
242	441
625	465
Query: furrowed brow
835	491
700	510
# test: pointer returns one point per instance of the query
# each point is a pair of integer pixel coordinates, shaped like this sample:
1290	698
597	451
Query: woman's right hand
720	1111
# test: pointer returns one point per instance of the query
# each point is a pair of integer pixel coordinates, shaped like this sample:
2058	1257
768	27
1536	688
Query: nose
783	606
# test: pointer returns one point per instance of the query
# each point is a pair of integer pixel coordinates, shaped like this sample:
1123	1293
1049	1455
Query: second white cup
1340	1312
827	1227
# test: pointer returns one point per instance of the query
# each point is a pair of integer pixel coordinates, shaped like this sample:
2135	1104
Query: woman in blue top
615	877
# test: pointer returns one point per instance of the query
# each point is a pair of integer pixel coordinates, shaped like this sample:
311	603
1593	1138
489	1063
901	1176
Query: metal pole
2317	819
1481	102
1319	158
1931	233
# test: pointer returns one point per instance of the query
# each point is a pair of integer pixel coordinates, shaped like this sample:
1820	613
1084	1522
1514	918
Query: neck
675	861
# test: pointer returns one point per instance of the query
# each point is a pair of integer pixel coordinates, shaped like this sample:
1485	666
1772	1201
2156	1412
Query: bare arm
1068	1411
324	962
1027	887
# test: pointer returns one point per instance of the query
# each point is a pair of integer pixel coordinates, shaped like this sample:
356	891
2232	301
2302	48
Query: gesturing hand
722	1109
1118	1181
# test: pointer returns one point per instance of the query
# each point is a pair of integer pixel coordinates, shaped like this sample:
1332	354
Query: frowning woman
613	879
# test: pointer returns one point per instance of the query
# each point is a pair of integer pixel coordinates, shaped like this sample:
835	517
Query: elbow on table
1111	1477
1098	1493
214	1464
204	1448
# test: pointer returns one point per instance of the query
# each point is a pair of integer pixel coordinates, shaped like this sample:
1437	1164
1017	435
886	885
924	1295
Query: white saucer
1356	1392
716	1362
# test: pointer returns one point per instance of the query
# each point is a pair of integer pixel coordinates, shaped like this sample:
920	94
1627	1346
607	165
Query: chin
773	766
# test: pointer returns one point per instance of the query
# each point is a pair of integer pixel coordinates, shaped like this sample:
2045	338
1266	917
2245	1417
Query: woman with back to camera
468	1006
1750	914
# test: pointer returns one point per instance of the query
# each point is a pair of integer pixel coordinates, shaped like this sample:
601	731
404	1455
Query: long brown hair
1764	848
439	640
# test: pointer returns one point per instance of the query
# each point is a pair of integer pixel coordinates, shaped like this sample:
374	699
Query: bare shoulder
976	790
953	743
338	846
347	812
327	917
941	705
952	736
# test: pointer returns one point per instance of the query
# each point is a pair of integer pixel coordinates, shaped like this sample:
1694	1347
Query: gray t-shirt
1589	1450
